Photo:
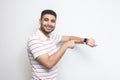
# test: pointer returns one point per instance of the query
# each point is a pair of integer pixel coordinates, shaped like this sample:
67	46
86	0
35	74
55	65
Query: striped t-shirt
39	44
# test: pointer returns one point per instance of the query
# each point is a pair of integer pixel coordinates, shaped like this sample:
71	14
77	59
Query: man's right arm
50	60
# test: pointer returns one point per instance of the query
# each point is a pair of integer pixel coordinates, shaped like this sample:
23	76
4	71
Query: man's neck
46	34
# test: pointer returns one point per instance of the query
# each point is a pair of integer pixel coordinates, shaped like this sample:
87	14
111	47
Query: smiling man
43	51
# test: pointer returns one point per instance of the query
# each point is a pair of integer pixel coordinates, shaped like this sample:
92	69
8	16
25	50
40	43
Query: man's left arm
78	40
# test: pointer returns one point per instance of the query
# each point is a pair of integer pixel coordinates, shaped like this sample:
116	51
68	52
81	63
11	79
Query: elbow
48	66
46	63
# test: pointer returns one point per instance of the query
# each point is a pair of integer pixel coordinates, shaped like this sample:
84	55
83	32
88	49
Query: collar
42	36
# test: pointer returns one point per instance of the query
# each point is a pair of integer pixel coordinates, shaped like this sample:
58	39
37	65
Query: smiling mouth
49	28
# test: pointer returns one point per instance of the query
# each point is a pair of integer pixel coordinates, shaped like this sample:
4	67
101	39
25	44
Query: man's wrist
85	40
64	46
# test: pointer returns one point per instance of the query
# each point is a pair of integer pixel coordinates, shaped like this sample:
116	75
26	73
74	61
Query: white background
99	19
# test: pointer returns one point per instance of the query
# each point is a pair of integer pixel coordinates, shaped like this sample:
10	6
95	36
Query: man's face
48	22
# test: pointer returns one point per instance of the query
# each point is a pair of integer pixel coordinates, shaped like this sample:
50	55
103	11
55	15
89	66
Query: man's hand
70	44
91	42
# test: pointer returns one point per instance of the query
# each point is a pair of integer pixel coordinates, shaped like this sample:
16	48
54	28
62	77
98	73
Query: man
42	47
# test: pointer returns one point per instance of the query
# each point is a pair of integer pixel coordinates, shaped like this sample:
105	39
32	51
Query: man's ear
39	21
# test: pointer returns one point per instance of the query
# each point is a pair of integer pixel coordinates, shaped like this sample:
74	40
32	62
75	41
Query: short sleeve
57	38
36	47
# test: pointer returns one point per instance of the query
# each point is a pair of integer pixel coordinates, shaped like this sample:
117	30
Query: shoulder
33	36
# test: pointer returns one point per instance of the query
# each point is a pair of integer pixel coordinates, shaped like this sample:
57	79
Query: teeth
48	27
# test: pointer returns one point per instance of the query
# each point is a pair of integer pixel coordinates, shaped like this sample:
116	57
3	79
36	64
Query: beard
47	29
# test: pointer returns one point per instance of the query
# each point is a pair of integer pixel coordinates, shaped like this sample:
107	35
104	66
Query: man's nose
49	22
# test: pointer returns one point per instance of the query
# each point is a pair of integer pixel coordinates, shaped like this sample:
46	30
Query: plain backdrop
99	19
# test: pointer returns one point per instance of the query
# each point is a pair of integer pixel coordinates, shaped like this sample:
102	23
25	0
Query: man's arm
68	38
68	42
90	41
50	61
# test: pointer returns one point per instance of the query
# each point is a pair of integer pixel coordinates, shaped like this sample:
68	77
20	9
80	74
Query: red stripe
42	43
39	46
52	49
36	47
33	44
42	49
32	40
55	38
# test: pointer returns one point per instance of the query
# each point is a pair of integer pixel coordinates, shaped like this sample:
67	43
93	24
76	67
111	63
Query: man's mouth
49	27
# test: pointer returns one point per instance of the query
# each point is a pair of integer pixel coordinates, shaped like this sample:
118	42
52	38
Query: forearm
77	39
53	59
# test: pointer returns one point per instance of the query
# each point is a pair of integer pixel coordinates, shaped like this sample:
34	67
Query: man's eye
45	19
53	21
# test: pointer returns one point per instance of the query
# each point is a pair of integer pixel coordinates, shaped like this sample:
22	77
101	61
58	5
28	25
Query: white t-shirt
39	44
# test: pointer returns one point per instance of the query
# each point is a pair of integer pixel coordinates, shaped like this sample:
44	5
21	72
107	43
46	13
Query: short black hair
48	11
